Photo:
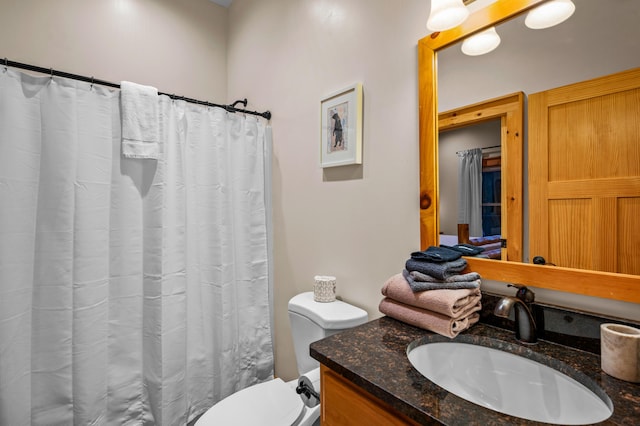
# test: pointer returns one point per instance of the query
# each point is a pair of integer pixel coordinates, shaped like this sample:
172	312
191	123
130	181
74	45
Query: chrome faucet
525	324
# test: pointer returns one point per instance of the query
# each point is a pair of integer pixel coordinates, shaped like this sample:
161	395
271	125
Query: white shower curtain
131	291
470	190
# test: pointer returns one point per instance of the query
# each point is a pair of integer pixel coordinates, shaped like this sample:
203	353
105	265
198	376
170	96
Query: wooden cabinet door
345	404
584	174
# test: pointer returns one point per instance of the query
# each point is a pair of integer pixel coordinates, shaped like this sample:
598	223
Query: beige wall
178	46
355	222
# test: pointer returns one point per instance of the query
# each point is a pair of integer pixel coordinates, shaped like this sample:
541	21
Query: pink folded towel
452	303
428	320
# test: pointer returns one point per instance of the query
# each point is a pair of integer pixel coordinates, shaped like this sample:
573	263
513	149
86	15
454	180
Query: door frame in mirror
590	283
509	110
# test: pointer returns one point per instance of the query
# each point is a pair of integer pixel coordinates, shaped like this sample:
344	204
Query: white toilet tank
312	321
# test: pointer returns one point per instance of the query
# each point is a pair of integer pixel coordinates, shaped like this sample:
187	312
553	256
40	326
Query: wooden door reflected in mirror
584	174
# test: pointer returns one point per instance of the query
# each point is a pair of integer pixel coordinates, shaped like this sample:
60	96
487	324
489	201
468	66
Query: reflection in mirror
602	37
529	60
614	286
471	195
454	144
479	212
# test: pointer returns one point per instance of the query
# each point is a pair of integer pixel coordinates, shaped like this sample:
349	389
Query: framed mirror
591	283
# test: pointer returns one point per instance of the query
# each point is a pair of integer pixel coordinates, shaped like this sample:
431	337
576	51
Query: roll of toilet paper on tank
311	380
324	288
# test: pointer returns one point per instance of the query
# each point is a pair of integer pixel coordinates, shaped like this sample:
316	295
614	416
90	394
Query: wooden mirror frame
607	285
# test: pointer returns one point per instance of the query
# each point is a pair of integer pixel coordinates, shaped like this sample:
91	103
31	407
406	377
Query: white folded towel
139	120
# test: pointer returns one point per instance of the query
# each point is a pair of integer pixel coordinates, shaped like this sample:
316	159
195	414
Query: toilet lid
336	315
272	403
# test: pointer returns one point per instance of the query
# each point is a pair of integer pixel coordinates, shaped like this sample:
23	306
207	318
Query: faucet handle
523	293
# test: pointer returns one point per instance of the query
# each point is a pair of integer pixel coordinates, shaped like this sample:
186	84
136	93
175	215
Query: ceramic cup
324	288
620	351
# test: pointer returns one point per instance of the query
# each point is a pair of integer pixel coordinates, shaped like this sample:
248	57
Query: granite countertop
373	356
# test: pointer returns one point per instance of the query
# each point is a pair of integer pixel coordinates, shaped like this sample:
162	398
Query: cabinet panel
345	404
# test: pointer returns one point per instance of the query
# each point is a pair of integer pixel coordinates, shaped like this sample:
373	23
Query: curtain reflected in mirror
470	190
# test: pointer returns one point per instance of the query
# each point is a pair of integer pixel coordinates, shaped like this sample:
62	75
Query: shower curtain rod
230	108
483	149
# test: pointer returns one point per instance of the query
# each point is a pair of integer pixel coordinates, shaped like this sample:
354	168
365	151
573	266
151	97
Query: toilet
276	403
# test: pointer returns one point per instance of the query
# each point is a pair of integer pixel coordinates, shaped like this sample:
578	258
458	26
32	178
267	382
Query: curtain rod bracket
243	102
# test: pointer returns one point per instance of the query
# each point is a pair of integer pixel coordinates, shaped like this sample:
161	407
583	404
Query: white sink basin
510	384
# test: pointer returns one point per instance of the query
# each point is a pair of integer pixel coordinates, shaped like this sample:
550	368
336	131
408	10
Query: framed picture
341	128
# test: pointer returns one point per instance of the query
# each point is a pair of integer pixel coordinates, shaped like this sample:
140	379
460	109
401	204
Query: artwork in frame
341	127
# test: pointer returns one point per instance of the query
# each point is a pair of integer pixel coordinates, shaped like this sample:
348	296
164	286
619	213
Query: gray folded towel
419	276
465	249
440	271
417	286
437	254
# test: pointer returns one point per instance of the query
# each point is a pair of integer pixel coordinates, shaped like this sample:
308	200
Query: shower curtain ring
6	63
92	82
51	71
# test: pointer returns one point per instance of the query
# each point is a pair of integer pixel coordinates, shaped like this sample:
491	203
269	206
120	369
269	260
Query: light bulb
481	43
446	14
549	14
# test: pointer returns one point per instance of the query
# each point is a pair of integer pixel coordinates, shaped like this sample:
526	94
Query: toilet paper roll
310	381
620	351
324	288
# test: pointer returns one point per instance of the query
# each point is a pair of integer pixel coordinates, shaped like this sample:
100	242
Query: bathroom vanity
367	378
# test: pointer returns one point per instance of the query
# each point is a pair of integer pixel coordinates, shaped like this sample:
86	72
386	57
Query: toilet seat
271	403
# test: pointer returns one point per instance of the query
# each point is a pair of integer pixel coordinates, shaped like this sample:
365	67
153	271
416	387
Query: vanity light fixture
446	14
549	14
481	43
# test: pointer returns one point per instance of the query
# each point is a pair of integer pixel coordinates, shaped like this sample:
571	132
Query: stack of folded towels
433	293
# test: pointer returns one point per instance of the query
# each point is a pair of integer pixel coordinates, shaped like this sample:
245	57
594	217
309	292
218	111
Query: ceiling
224	3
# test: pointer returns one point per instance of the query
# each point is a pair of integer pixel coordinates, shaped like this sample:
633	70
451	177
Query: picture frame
341	127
